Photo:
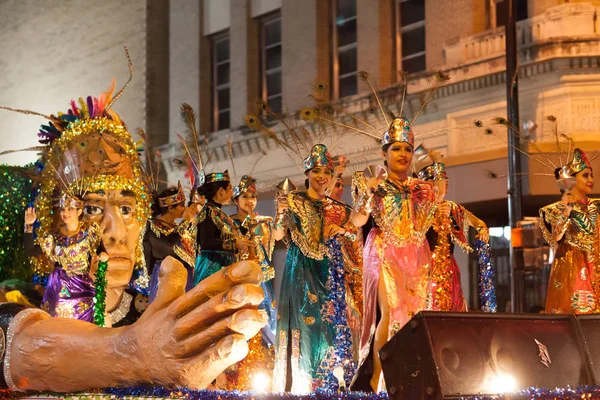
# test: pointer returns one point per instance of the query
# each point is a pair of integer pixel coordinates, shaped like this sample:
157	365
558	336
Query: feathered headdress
398	127
194	147
302	130
559	164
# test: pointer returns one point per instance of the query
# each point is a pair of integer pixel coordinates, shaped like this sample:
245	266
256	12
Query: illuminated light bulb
503	384
260	382
338	372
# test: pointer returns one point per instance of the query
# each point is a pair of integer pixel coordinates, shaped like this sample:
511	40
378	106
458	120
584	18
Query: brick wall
446	20
184	60
54	51
299	50
537	7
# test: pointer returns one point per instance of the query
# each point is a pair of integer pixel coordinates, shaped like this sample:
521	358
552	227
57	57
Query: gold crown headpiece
247	184
217	177
579	162
399	131
318	157
173	199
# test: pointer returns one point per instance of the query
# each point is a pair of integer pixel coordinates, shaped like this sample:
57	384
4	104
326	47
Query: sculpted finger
219	307
201	370
219	282
244	322
171	282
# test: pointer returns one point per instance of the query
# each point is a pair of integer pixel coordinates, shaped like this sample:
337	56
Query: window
220	82
502	11
410	35
345	69
271	62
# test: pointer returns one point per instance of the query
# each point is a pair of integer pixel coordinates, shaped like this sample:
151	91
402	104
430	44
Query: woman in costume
352	251
217	237
70	290
161	234
450	226
259	230
396	258
569	226
314	340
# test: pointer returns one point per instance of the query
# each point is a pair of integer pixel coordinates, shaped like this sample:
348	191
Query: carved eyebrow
127	193
99	192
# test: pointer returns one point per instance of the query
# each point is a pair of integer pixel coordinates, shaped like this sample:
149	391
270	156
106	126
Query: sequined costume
397	252
70	289
260	230
159	240
208	241
446	231
305	330
572	287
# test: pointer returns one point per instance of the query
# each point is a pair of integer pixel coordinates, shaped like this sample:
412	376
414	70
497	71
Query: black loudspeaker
590	332
449	355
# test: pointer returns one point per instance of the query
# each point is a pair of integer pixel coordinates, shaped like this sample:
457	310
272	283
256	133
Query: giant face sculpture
97	158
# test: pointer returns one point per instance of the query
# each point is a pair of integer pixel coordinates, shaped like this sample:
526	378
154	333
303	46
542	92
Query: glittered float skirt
69	296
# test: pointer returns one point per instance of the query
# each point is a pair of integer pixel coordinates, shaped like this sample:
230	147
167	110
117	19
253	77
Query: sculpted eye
92	210
126	210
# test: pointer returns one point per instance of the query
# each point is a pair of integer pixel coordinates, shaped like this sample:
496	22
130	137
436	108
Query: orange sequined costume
572	287
446	231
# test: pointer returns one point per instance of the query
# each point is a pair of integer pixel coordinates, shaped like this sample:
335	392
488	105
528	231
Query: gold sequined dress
446	231
573	284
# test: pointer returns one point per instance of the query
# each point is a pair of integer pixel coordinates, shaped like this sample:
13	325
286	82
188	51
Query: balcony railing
558	23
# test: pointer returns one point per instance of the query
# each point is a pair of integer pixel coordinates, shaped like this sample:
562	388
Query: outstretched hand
182	339
187	339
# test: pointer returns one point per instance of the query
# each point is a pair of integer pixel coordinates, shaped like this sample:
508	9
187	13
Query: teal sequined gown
216	241
305	335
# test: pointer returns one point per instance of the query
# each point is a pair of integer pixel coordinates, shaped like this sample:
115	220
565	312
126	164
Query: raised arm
31	248
279	226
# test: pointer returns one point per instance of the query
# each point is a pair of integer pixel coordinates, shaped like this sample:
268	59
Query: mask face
141	303
115	212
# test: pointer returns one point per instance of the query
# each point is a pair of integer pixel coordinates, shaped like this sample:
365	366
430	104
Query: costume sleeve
32	249
163	247
209	237
148	249
552	222
424	205
461	223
